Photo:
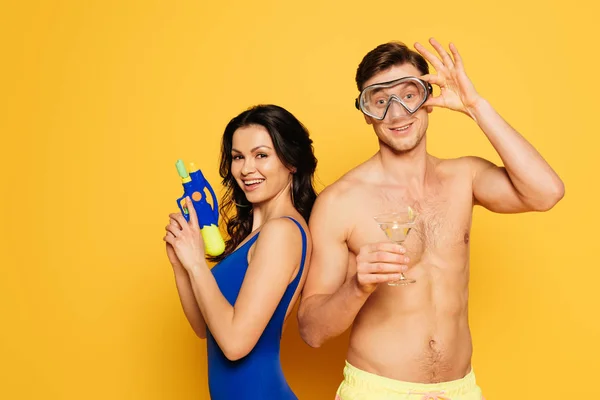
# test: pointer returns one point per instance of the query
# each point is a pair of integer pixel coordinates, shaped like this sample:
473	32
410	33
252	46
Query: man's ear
429	109
368	119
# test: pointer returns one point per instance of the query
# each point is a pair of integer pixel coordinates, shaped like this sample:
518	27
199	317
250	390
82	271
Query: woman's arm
186	295
276	257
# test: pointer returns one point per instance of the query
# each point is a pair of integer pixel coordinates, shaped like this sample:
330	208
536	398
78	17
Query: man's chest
441	226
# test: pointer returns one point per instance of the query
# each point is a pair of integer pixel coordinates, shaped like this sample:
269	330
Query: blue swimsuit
258	375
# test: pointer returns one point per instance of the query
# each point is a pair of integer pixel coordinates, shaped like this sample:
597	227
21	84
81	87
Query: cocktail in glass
397	225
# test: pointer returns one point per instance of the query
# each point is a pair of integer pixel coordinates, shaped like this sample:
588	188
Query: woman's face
255	165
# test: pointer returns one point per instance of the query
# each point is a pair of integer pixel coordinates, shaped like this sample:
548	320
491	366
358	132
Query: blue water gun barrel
194	186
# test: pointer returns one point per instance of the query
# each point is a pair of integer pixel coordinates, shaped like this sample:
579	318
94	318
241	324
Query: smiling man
410	335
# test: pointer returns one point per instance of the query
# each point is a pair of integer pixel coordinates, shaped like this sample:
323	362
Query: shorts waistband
368	381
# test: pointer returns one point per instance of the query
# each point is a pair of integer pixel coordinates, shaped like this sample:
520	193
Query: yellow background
100	98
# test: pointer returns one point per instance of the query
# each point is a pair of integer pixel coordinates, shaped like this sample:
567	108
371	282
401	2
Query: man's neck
407	168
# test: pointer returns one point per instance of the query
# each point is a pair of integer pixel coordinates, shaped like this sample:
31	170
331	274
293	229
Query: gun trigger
183	207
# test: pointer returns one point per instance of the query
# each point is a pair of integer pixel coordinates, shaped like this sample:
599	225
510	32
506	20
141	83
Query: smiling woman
267	166
276	140
256	168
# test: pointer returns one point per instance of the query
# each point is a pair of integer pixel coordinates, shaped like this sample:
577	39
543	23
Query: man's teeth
253	181
402	128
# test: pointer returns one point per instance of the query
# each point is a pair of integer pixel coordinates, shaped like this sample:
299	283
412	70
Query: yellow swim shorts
362	385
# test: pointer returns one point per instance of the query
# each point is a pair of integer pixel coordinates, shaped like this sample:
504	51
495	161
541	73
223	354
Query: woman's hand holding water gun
186	239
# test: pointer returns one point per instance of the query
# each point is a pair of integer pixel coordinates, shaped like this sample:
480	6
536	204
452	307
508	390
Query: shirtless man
412	341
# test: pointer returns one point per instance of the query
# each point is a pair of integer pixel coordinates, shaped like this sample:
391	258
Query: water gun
194	185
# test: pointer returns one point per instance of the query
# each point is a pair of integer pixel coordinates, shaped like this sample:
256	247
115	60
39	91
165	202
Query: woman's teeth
253	182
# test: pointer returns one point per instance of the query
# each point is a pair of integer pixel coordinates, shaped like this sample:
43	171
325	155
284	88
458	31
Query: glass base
403	281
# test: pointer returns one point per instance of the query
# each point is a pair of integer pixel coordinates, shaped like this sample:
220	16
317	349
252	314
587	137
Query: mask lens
375	99
411	94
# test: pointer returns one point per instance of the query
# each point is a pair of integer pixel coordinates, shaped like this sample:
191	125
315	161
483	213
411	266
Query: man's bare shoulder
346	188
463	167
340	200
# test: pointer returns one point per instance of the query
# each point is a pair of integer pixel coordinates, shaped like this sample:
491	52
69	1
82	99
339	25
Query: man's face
398	130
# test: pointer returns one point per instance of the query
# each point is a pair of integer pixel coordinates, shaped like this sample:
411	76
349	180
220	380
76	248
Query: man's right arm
330	302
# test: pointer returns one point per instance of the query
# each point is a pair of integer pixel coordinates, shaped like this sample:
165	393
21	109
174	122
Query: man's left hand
457	91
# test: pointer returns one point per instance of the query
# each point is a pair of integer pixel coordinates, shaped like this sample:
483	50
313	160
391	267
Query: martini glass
397	225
